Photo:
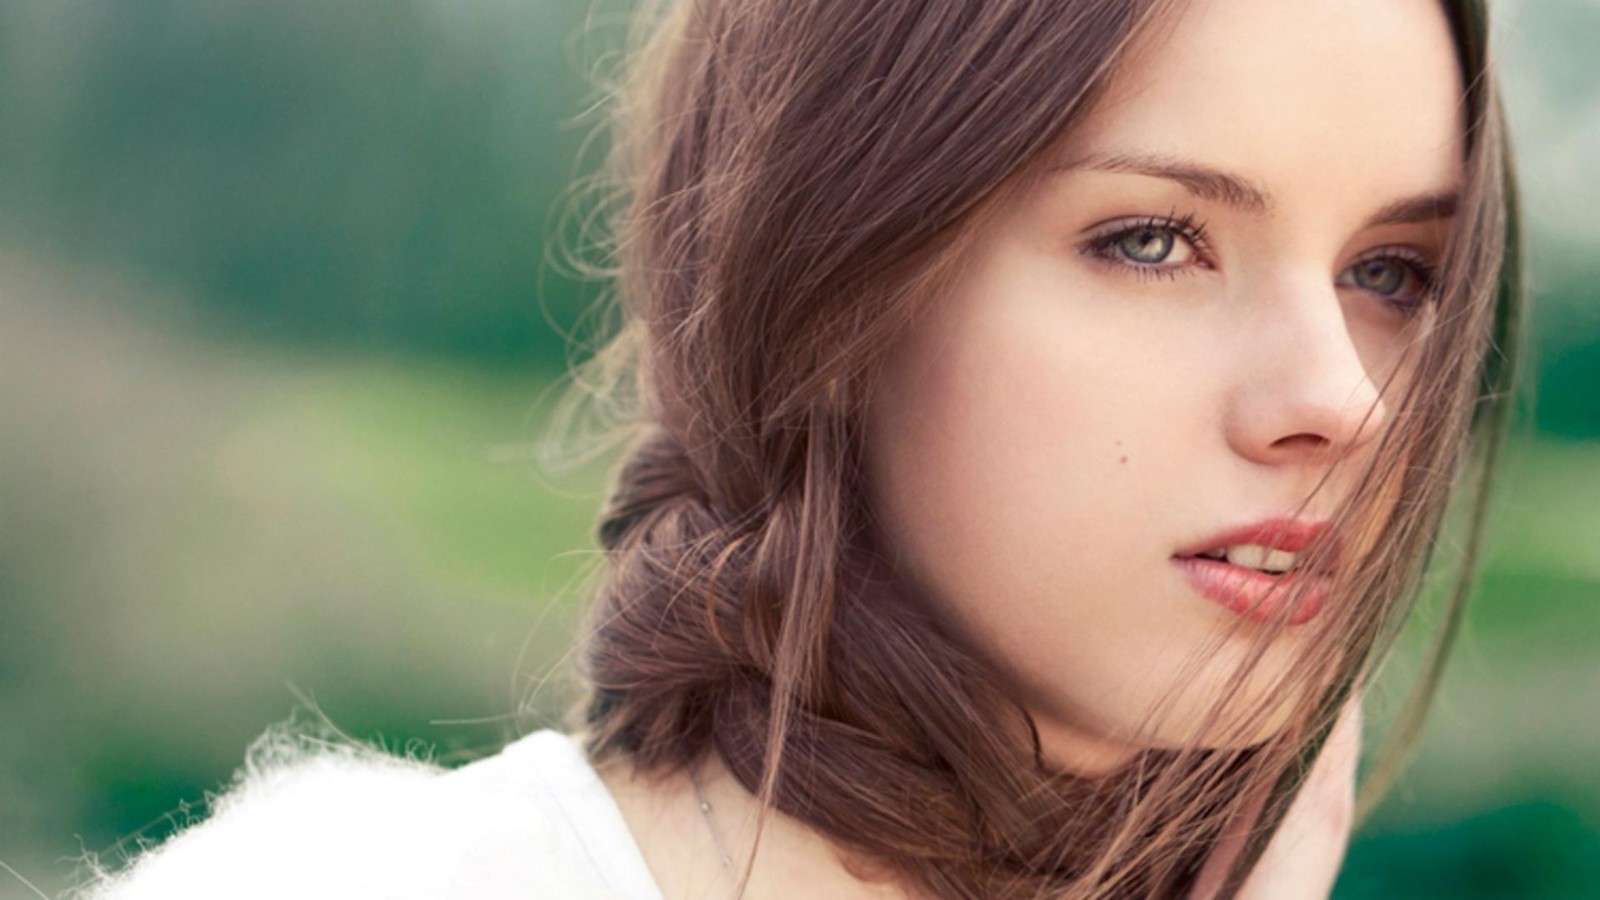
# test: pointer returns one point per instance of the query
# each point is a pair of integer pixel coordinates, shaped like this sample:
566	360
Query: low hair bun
654	473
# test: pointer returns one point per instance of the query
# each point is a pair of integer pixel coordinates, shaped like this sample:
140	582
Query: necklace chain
705	810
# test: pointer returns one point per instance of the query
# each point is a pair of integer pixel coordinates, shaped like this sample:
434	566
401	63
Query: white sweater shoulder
310	819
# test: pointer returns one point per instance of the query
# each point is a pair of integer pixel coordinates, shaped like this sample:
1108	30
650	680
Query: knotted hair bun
897	743
656	472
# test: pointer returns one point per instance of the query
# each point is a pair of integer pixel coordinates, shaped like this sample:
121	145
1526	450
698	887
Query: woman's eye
1383	276
1399	279
1148	246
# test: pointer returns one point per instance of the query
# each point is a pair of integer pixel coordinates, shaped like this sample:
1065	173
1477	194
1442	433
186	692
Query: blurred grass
1536	848
194	531
412	443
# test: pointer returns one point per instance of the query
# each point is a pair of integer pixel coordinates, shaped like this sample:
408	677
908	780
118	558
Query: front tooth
1255	556
1251	556
1279	561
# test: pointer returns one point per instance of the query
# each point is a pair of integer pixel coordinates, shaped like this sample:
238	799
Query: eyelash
1101	247
1425	272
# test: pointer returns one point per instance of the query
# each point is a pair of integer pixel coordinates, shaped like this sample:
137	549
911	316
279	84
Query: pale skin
1098	388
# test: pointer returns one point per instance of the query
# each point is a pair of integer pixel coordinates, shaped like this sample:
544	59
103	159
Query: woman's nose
1304	392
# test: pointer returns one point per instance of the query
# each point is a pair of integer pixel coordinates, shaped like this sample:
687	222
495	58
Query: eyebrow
1217	186
1421	208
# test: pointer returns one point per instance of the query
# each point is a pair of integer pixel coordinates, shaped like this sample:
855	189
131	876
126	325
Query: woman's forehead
1308	101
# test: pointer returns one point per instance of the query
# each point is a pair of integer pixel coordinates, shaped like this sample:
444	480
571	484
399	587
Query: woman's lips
1252	594
1291	535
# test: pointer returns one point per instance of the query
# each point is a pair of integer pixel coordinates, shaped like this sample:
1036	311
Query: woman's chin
1249	724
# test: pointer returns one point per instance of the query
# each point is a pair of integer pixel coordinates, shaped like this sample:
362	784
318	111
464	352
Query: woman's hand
1305	854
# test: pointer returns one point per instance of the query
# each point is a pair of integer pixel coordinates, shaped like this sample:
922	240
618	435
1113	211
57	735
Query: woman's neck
676	837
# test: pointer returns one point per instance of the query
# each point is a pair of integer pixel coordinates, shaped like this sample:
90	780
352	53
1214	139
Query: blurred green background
278	332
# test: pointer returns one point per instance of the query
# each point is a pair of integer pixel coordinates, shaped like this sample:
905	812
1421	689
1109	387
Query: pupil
1381	275
1147	245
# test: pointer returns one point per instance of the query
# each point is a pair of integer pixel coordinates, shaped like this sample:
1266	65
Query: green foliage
361	173
1566	364
1536	849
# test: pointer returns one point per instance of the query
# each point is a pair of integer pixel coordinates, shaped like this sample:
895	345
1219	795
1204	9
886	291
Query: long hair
789	185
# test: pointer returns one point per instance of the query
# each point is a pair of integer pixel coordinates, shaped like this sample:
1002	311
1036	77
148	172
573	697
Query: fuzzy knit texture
310	818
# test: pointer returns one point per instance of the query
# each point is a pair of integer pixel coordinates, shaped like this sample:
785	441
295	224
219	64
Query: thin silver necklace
705	810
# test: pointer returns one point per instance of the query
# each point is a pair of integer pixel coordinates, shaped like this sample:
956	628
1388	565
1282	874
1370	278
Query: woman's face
1178	331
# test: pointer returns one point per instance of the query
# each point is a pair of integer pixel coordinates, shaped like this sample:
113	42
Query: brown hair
792	181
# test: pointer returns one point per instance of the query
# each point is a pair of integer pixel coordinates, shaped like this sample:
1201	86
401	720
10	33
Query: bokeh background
279	331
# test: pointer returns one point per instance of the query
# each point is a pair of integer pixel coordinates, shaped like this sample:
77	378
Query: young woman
1045	412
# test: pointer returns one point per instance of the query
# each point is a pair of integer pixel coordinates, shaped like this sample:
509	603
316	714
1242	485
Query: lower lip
1254	595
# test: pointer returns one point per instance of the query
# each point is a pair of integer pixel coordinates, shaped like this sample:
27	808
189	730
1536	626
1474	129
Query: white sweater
309	820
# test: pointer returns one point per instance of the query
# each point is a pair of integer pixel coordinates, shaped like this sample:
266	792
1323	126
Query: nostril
1289	419
1303	441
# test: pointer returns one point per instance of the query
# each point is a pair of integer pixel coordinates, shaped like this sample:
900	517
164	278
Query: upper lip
1289	535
